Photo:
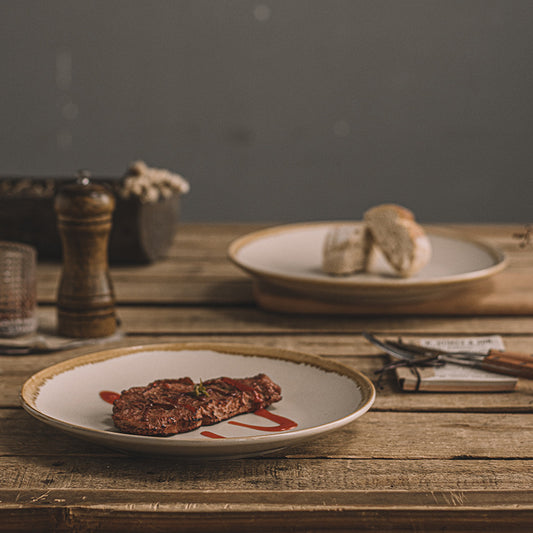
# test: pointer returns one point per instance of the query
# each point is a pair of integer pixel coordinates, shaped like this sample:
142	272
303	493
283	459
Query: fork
500	362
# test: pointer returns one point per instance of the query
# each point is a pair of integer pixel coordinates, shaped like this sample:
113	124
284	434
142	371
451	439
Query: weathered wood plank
287	520
509	292
378	435
235	321
209	254
175	269
62	510
214	267
415	461
187	291
168	320
267	500
327	345
426	518
225	286
389	396
110	473
353	351
198	271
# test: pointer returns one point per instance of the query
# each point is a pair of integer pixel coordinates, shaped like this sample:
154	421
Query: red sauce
283	423
190	407
211	435
109	396
238	384
243	387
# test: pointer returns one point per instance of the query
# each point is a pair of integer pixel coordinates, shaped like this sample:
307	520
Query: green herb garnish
200	390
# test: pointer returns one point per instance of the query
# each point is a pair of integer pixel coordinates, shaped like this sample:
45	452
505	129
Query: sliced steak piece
169	406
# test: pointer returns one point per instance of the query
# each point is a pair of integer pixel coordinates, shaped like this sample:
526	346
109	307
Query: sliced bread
345	249
404	243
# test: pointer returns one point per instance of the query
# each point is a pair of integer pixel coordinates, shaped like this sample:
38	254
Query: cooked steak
170	406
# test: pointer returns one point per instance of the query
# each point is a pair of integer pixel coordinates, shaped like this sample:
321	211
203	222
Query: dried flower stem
525	237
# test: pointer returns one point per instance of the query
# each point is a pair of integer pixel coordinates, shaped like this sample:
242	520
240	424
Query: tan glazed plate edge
354	282
228	447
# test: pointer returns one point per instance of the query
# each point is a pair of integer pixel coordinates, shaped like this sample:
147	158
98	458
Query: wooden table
416	461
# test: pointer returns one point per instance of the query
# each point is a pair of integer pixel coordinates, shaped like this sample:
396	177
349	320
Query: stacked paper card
456	378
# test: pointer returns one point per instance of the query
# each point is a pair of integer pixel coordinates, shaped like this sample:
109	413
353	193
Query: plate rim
30	391
501	261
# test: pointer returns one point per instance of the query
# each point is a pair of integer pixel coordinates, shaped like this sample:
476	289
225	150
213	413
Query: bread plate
290	256
318	395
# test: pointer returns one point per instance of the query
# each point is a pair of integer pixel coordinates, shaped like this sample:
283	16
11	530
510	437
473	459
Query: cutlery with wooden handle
498	361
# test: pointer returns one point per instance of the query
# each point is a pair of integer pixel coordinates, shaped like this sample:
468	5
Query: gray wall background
280	110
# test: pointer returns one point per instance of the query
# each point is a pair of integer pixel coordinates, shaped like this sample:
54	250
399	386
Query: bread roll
403	242
345	249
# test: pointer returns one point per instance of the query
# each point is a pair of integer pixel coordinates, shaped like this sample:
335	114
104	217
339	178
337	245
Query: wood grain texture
366	511
244	320
415	462
351	350
449	436
85	299
507	293
197	270
389	396
111	472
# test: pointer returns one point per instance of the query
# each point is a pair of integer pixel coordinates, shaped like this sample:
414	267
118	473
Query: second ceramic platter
290	256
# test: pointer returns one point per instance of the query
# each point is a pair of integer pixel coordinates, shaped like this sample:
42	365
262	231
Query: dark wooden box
142	231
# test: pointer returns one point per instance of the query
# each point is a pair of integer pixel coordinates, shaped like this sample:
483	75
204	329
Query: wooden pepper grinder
85	301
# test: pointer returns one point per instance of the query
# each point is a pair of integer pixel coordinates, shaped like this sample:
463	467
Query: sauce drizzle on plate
109	396
284	423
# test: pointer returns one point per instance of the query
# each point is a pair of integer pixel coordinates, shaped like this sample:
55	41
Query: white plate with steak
187	399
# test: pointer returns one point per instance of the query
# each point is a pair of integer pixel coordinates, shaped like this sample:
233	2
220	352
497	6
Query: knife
498	361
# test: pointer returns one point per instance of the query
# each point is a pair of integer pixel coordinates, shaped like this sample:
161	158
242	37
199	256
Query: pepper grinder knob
85	300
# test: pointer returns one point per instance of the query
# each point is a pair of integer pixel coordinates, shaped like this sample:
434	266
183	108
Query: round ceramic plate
290	256
319	396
